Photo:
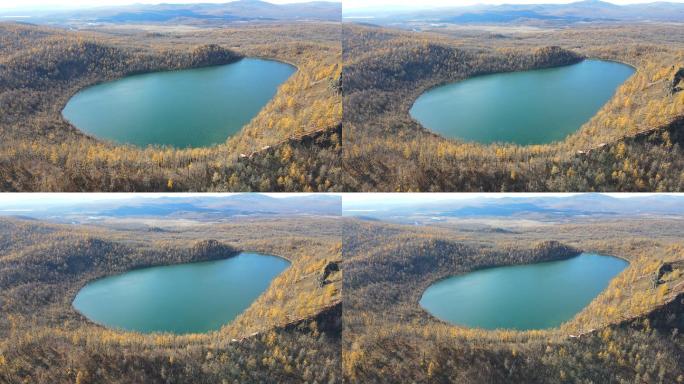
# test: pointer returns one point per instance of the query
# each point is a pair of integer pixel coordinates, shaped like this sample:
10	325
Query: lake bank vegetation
42	67
632	144
291	333
631	332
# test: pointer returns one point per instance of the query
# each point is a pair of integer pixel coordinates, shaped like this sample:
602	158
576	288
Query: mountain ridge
579	11
193	13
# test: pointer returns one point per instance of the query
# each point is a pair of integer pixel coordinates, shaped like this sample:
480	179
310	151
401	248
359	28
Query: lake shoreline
164	114
521	104
168	269
428	304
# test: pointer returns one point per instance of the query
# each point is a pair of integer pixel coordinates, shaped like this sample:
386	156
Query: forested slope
41	68
630	333
386	150
291	333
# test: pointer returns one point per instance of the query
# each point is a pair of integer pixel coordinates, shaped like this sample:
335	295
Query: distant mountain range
209	207
581	11
234	11
551	207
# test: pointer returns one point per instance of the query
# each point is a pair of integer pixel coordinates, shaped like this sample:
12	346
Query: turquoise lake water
187	108
531	107
523	297
186	298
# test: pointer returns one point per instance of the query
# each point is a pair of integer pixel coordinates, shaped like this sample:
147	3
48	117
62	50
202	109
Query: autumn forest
293	144
341	191
291	333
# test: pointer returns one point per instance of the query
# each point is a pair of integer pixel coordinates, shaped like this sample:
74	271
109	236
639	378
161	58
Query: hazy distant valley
207	14
539	15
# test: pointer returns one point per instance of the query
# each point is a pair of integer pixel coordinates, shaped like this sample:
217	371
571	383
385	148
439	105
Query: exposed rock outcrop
678	81
666	268
331	267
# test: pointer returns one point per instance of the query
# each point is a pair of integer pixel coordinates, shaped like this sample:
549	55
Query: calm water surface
531	107
186	298
188	108
535	296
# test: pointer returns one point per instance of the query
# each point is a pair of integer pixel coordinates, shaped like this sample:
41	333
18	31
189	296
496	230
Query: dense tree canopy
386	150
41	68
291	333
630	333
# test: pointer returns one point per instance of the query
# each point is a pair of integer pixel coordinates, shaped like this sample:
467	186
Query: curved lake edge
63	101
80	285
418	92
423	287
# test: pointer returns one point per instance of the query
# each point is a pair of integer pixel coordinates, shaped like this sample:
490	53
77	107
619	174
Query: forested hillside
630	333
41	68
632	144
291	333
